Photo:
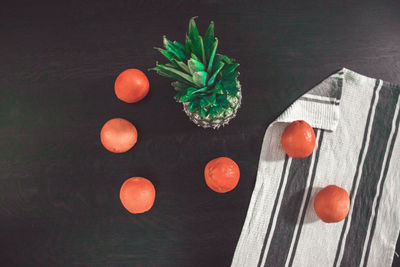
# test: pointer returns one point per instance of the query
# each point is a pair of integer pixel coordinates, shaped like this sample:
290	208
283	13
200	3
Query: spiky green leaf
209	40
230	87
212	78
227	59
216	62
185	98
212	99
193	107
201	90
195	65
182	66
169	74
203	103
180	86
218	89
203	54
215	111
229	69
176	72
188	96
200	78
194	57
195	40
187	46
223	101
214	49
178	44
166	54
234	90
174	49
173	65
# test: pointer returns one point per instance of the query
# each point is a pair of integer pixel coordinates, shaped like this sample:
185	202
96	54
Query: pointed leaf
187	46
185	98
214	111
200	78
203	55
199	91
218	89
194	57
212	99
230	87
203	103
178	44
214	49
216	63
173	65
172	48
182	66
209	40
179	85
212	79
229	69
167	74
195	41
234	90
195	65
166	54
193	107
187	95
235	74
227	59
223	101
176	72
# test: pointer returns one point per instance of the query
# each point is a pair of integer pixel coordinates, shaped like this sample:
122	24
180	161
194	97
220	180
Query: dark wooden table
59	188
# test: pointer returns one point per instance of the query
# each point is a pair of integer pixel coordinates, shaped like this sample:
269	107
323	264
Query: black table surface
59	188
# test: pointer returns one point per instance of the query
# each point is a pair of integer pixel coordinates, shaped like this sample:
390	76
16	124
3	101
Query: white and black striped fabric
356	121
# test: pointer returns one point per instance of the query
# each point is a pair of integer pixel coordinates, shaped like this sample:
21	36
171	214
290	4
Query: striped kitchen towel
356	121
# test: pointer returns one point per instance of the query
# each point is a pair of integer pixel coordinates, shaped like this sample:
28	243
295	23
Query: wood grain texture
59	187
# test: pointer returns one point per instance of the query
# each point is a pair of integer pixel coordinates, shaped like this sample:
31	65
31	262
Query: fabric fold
319	107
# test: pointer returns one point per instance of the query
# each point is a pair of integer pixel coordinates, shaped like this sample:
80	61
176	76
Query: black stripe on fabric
357	170
273	210
397	125
289	211
303	215
371	170
331	102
